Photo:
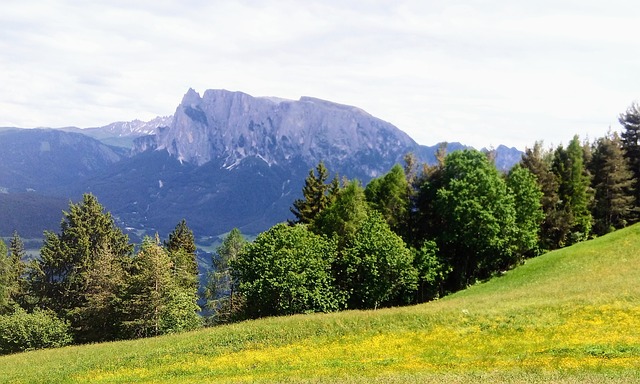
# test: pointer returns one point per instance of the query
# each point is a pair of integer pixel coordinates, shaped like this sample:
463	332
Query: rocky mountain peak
231	126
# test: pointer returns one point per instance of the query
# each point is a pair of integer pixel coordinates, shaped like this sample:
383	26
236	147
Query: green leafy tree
181	248
343	217
60	277
317	195
613	184
432	271
221	290
573	190
12	269
630	121
527	195
475	218
286	270
390	195
378	266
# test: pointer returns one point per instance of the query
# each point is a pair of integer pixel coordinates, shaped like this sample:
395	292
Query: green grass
571	316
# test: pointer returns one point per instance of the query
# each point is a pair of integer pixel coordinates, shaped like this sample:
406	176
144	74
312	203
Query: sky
483	73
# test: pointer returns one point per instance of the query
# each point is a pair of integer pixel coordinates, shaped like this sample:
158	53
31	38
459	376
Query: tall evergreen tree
573	190
157	304
181	248
60	277
11	273
317	195
613	183
630	121
555	225
221	290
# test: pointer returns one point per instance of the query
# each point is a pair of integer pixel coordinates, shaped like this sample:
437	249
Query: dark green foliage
345	215
66	268
630	121
317	195
573	191
527	197
475	218
390	195
378	267
555	226
221	290
157	303
613	184
432	271
22	331
287	270
181	248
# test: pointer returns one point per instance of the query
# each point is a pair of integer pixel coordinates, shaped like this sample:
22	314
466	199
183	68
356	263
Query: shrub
23	331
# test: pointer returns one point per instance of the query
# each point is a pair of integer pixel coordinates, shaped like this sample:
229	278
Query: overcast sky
480	72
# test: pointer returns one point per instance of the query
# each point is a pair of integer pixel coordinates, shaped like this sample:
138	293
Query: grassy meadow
571	316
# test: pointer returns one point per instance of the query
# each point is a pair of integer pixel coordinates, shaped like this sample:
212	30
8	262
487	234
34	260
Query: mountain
48	160
123	133
222	160
229	127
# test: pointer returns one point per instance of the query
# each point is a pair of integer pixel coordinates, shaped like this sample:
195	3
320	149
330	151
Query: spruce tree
630	121
221	289
181	248
157	304
613	183
555	225
60	278
574	183
316	195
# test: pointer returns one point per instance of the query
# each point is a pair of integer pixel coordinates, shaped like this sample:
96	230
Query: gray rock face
231	126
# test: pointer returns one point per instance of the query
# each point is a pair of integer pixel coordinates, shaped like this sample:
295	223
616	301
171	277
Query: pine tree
613	184
60	278
316	195
573	189
221	290
555	226
181	248
630	121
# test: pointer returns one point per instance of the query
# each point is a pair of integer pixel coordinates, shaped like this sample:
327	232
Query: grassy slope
570	316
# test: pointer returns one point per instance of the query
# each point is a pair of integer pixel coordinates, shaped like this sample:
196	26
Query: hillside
572	315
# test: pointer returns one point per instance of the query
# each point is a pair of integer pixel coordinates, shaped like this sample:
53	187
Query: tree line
90	284
420	231
412	235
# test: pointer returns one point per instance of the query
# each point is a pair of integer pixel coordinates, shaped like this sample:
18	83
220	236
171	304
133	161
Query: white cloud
480	72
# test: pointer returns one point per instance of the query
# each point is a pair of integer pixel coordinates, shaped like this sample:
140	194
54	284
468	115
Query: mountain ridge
222	160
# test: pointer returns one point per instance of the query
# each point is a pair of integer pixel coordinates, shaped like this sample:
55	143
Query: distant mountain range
223	160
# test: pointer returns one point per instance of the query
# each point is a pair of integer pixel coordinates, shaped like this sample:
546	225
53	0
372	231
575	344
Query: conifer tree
568	166
316	195
630	121
181	248
613	184
221	289
555	225
157	304
60	277
11	273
